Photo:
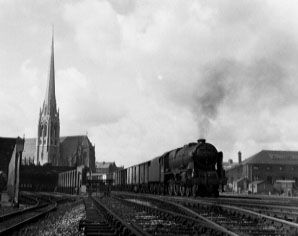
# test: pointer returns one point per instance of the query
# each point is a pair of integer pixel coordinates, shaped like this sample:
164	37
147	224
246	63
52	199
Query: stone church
49	147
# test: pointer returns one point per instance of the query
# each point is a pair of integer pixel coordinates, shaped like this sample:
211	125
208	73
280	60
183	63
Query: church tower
48	136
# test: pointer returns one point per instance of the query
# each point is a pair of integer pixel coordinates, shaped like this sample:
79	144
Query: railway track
14	221
278	208
153	218
102	221
234	219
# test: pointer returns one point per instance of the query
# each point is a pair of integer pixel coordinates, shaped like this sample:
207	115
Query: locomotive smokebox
201	140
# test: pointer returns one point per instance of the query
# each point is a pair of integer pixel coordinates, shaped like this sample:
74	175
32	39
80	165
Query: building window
255	167
268	168
281	168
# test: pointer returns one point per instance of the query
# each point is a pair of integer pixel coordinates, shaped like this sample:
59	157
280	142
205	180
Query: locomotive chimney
239	157
201	140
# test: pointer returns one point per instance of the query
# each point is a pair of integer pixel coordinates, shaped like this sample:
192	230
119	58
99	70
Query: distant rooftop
273	157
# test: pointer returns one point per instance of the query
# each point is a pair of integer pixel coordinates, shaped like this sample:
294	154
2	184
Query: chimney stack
239	157
201	140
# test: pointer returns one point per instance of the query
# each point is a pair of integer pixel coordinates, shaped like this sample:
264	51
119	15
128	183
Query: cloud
123	7
97	30
147	76
130	140
81	104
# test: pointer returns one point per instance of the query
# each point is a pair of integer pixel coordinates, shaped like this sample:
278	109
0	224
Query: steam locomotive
194	169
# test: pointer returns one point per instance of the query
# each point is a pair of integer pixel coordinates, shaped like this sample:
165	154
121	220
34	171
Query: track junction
146	214
127	213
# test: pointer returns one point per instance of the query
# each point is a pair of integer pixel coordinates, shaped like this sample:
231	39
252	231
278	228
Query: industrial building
267	172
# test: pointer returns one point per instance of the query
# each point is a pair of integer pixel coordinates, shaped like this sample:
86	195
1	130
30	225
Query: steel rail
31	219
123	227
15	213
254	214
195	216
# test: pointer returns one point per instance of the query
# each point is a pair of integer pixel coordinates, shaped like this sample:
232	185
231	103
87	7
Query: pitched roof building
273	157
268	166
105	167
104	171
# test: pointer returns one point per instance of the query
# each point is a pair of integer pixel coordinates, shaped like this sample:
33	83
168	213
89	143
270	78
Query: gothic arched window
40	130
45	130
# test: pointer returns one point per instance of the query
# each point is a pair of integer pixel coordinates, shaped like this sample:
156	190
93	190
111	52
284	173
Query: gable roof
273	157
29	148
104	165
69	144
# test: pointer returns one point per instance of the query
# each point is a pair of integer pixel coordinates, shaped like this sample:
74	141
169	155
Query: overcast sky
143	77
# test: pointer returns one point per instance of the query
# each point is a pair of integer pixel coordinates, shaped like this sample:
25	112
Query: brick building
265	168
104	171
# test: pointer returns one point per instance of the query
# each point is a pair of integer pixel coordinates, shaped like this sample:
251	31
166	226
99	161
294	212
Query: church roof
69	144
29	148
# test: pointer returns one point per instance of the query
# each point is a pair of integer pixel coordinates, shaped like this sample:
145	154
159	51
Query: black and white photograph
149	117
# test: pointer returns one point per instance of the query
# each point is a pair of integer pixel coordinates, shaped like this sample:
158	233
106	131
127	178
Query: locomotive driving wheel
176	189
182	190
194	190
188	191
170	189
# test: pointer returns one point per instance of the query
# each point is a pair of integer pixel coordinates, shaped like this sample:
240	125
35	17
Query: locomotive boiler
194	169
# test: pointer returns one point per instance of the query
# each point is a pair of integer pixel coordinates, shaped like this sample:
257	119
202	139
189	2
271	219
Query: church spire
50	99
47	142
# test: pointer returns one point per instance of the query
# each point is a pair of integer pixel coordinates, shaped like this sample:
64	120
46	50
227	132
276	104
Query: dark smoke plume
210	94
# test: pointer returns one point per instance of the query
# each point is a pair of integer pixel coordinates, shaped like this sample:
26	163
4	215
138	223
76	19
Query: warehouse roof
273	157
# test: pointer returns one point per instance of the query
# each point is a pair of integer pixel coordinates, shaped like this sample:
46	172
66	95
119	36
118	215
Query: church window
40	130
45	130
